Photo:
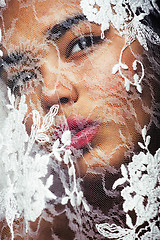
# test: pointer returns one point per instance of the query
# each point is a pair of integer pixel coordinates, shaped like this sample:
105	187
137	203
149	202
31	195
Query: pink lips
82	131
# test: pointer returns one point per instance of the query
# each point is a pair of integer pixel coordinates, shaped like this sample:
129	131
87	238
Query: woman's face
60	58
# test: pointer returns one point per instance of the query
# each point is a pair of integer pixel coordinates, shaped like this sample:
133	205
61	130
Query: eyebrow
15	57
52	34
58	30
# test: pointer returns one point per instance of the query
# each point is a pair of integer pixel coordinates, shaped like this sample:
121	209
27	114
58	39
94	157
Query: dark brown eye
20	79
81	44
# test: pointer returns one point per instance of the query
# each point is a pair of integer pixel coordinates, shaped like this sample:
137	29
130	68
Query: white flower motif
66	138
141	194
22	190
123	16
2	3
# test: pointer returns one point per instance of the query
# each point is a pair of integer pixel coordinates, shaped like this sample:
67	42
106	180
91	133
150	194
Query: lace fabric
79	148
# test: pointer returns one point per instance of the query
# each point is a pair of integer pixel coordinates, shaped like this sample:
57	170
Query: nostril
63	100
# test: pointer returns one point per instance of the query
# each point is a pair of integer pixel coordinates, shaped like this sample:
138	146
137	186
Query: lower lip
82	138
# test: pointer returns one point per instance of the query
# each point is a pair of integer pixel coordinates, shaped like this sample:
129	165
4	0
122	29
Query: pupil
28	76
85	42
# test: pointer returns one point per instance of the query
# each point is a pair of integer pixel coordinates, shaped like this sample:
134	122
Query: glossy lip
82	131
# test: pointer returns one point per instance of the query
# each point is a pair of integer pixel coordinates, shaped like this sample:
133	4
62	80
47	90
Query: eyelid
75	40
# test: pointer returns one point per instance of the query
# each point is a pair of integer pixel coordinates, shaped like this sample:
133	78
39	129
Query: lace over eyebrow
20	57
15	58
52	34
58	30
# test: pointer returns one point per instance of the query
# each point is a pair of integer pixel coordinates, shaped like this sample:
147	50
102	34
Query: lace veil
79	122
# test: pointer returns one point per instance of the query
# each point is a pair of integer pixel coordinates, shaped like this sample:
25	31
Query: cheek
96	71
110	98
108	89
101	83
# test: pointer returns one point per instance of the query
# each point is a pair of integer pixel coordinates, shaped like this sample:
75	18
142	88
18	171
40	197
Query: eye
80	44
20	79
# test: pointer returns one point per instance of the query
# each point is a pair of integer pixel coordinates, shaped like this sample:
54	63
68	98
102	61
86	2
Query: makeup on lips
83	131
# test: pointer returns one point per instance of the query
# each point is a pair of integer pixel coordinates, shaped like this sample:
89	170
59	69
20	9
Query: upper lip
76	124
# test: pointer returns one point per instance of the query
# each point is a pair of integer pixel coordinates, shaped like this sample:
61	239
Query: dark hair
153	71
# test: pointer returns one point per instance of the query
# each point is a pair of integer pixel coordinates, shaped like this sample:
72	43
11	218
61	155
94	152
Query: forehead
32	18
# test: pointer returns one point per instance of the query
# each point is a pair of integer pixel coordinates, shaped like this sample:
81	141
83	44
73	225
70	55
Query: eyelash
20	79
77	45
83	43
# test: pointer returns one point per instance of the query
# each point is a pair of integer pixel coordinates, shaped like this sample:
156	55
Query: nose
57	86
58	94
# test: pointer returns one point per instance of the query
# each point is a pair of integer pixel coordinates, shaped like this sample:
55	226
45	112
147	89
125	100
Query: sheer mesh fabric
79	136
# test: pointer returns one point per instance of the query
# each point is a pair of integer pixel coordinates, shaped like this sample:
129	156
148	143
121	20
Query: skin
85	78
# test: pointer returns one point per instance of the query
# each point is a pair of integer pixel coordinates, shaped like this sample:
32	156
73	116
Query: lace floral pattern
50	186
141	196
141	177
19	167
128	23
119	13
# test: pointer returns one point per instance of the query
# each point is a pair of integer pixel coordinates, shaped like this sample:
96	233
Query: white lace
23	191
18	166
141	195
25	179
19	172
122	15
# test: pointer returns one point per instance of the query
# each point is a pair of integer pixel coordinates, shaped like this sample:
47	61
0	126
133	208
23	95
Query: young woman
84	114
